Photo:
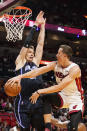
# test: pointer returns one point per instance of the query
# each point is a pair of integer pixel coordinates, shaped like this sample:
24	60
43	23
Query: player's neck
66	63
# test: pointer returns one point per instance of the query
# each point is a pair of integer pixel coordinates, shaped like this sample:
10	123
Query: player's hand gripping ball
12	90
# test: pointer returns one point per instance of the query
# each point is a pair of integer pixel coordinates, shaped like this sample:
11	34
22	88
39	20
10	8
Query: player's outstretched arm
20	60
73	74
40	43
31	74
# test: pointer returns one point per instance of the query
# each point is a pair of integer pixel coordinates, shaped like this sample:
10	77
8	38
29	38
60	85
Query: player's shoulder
75	68
74	65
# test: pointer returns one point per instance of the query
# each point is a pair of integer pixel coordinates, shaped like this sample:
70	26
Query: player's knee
37	121
72	127
80	127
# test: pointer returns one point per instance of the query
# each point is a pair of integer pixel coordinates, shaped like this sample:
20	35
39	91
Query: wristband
38	93
34	27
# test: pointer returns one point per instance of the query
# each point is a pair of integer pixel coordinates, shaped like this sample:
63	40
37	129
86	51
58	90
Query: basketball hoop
15	22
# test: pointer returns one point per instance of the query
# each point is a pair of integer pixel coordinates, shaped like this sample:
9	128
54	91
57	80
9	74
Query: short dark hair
67	50
31	46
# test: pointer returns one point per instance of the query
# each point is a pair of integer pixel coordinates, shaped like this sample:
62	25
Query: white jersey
73	93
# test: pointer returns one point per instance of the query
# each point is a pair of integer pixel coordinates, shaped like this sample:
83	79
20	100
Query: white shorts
74	103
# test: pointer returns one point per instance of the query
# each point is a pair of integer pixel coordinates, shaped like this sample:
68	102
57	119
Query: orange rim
20	7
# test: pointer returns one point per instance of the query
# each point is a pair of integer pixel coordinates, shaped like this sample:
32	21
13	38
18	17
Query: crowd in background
6	103
58	16
7	106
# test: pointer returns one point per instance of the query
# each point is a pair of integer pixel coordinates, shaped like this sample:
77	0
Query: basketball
12	90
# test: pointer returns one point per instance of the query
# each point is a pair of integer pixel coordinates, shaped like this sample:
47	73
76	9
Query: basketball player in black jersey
30	115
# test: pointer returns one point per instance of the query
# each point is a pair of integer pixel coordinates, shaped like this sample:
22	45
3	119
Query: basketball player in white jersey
68	90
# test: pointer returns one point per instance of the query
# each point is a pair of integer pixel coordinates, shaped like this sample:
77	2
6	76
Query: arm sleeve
30	37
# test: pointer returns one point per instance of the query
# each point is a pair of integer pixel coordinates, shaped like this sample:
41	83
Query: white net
15	25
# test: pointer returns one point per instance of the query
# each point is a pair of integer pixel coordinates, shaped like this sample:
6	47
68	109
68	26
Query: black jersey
27	113
26	68
29	85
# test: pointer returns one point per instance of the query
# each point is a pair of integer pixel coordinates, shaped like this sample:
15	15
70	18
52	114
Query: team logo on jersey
27	68
60	75
74	107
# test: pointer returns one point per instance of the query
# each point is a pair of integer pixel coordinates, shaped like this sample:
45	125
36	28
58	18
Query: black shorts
51	100
29	86
28	114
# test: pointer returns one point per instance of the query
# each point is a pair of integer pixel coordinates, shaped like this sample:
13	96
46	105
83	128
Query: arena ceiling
63	12
60	12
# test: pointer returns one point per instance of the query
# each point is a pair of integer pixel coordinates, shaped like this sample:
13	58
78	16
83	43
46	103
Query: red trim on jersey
79	86
73	111
83	108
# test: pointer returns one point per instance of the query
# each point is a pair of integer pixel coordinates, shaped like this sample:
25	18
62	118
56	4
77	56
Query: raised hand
39	18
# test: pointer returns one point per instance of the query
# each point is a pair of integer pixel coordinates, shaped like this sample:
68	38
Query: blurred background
66	24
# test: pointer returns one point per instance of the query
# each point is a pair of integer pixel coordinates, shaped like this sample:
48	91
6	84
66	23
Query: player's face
60	56
29	55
